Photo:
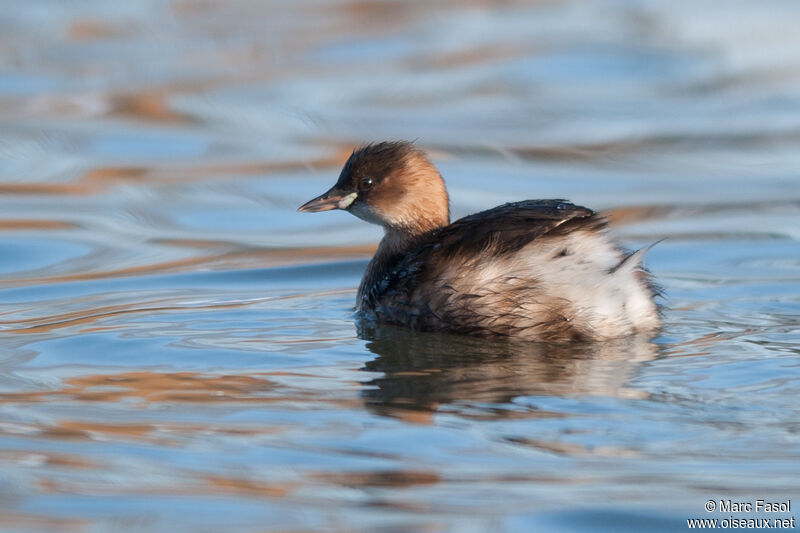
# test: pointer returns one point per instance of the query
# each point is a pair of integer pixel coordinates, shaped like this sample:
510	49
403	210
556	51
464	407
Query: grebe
544	270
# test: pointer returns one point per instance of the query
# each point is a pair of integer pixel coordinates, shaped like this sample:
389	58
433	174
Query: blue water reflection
179	350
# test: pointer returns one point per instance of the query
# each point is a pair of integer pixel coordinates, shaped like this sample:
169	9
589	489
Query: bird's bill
333	199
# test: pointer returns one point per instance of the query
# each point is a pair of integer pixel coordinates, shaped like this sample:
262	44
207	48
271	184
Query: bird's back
539	269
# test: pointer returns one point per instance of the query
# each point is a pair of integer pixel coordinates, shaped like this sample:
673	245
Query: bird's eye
365	184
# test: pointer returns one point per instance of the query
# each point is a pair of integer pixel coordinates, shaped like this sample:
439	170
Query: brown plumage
536	269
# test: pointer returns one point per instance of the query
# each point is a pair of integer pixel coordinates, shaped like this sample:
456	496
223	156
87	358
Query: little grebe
538	269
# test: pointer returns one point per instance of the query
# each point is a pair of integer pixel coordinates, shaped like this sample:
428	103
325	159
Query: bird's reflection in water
480	377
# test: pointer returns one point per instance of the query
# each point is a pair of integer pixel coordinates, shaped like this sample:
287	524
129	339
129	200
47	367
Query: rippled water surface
178	347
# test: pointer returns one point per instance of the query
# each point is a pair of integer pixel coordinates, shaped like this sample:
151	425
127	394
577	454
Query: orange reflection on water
47	458
248	487
33	224
189	484
153	387
386	478
152	106
40	522
90	316
99	179
91	29
232	260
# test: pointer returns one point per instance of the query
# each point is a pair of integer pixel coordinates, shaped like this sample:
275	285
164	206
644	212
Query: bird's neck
397	241
393	247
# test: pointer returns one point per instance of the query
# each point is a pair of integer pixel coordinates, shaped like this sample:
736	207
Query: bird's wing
505	228
501	230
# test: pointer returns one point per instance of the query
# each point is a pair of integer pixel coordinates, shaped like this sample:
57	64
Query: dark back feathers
502	230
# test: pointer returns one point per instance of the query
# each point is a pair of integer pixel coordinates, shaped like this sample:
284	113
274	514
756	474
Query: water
178	346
